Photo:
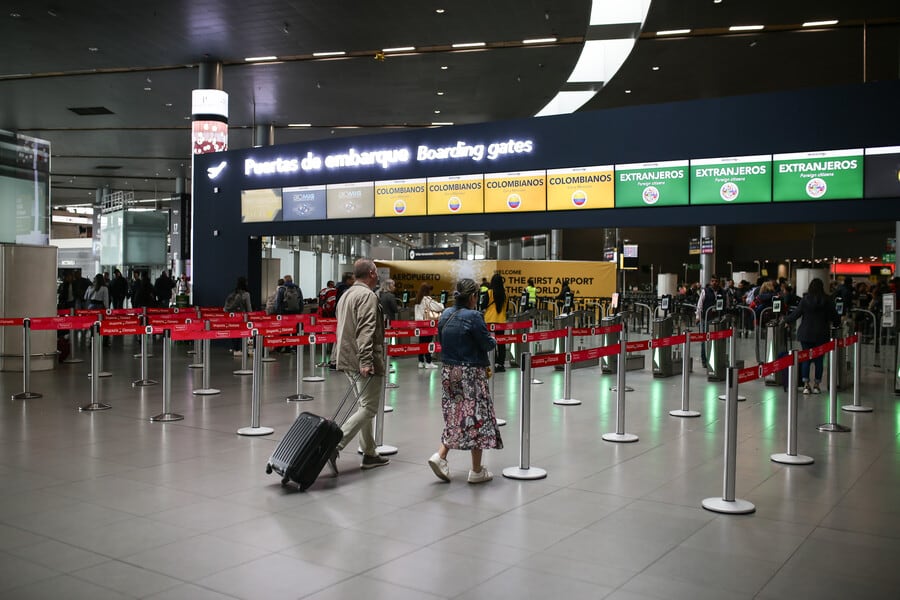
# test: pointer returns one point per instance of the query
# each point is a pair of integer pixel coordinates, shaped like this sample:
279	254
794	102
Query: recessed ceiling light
444	67
469	45
299	124
439	11
746	27
15	15
147	89
820	23
439	93
546	40
323	54
673	32
93	49
627	91
437	111
399	49
168	105
655	68
717	1
259	58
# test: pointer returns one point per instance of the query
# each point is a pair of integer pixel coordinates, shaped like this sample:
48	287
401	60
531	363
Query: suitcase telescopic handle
351	390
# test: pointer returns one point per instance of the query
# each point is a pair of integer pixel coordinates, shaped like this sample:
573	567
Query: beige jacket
360	330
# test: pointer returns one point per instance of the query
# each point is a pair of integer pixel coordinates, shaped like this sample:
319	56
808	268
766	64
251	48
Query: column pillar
556	237
264	135
707	261
515	249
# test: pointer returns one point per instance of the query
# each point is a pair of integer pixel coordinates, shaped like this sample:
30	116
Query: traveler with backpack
289	299
270	301
238	301
328	300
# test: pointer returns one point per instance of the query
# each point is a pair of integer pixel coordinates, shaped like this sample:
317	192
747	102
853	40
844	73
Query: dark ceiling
140	61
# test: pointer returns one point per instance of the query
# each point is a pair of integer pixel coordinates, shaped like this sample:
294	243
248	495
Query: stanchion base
796	459
143	383
388	408
243	372
527	474
833	428
391	386
166	417
94	406
255	431
615	388
298	398
567	402
386	450
855	408
501	422
392	370
737	507
313	379
101	374
536	382
73	361
684	413
26	396
138	355
724	397
190	352
195	366
622	438
206	392
269	359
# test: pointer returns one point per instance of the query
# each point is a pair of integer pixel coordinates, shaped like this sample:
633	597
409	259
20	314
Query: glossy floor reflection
110	505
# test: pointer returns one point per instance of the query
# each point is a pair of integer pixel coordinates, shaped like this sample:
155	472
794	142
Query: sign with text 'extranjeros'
731	180
652	184
831	175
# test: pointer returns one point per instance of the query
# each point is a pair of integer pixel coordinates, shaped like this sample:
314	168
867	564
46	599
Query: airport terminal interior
651	450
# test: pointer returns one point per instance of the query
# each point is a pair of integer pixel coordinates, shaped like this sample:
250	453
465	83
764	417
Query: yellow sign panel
515	192
583	187
400	198
260	205
586	278
456	195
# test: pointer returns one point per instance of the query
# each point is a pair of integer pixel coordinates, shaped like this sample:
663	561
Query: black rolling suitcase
311	440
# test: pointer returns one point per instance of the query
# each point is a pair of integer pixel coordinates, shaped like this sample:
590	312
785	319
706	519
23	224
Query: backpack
270	303
327	302
291	299
234	303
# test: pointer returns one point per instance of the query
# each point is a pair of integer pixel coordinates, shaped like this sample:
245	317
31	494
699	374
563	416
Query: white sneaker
439	466
807	389
481	477
421	365
431	366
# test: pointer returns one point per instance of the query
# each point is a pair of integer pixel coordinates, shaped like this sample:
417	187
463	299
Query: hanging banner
582	187
456	195
515	192
832	175
652	184
400	198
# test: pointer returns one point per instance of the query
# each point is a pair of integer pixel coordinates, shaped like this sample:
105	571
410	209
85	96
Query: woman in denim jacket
466	405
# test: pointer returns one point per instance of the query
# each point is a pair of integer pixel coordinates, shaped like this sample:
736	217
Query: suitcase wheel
285	481
268	469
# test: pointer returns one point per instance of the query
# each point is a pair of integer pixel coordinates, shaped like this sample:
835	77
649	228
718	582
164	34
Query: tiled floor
110	505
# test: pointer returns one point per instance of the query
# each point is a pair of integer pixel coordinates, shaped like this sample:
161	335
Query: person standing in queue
817	312
496	313
427	309
706	301
466	404
360	349
388	301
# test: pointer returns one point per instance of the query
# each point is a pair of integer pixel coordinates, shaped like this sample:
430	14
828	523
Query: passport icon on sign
213	172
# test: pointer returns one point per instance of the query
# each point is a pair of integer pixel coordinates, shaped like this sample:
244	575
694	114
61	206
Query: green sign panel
652	184
734	180
831	175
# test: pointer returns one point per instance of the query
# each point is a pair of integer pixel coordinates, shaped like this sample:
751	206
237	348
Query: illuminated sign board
731	180
259	206
883	172
350	200
652	184
400	198
831	175
515	192
305	203
581	187
456	195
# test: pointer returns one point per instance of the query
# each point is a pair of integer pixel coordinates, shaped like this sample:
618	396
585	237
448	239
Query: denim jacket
464	338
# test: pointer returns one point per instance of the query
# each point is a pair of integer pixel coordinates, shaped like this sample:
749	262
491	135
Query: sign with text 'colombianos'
456	195
829	175
580	187
400	198
731	180
525	191
652	184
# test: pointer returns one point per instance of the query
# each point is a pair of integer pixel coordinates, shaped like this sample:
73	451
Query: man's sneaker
421	365
370	462
499	369
480	477
332	462
439	466
806	389
816	389
430	366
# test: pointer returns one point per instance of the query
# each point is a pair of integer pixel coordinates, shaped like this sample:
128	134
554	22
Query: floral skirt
469	420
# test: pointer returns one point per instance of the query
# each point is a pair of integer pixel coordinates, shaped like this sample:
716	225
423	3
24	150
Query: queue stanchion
265	357
299	396
380	447
146	340
72	359
491	355
832	426
245	366
167	414
525	470
391	385
857	406
144	380
685	410
387	407
26	393
205	388
97	361
728	504
199	353
95	403
534	380
791	457
312	362
732	361
255	428
567	399
621	364
619	436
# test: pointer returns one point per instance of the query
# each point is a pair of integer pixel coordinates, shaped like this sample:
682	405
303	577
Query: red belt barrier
11	322
665	342
226	325
511	326
171	319
593	353
410	349
288	340
637	346
321	328
720	335
227	318
412	324
274	328
417	331
111	329
848	341
698	337
547	360
582	331
214	334
60	323
538	336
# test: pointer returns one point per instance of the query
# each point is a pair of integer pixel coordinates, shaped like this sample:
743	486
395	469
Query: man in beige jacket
360	349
